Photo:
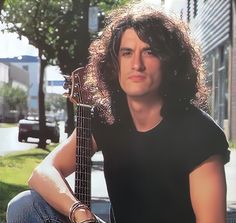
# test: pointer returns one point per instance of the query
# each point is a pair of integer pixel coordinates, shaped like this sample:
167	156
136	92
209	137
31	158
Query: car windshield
50	119
32	118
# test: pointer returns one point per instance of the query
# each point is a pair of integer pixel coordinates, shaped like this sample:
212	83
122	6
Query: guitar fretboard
83	154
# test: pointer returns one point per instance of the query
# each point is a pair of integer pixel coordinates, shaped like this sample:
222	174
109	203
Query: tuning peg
66	85
67	82
67	77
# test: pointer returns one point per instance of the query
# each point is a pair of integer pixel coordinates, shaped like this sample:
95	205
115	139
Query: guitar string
84	154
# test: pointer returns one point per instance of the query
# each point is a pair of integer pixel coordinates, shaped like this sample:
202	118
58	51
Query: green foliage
55	102
15	170
110	4
1	5
15	98
232	145
56	28
8	125
59	29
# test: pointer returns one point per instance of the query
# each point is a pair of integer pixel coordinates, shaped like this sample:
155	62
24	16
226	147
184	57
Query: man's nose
137	62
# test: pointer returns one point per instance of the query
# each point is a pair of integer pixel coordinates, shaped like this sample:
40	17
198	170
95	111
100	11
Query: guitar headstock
73	83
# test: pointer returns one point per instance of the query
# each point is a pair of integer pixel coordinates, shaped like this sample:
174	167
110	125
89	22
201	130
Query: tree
26	19
14	97
1	5
55	102
45	24
59	29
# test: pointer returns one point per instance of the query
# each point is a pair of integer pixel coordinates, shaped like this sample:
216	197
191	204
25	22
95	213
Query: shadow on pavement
231	212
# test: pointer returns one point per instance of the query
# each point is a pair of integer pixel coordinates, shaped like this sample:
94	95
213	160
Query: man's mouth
136	77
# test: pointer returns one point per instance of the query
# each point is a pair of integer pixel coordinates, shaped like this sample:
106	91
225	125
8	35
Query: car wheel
20	139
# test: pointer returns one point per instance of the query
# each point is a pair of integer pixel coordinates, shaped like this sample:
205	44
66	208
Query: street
9	140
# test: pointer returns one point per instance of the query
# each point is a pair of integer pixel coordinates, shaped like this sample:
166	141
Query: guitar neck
83	155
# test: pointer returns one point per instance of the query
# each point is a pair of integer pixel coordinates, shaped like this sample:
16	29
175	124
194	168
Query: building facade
18	78
212	23
31	65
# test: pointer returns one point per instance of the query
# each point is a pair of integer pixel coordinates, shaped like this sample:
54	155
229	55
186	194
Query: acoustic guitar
73	83
84	114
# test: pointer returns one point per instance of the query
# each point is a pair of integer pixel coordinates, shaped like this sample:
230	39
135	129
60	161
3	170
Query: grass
232	145
8	125
15	170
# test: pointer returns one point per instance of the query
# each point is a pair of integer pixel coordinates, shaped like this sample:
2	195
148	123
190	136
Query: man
163	156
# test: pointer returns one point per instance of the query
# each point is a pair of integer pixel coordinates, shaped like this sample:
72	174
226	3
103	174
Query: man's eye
148	52
126	53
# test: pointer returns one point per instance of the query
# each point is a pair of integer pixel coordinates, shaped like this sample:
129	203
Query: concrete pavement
9	140
230	172
100	203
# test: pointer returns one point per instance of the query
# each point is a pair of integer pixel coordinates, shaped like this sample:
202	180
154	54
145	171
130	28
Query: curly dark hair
182	65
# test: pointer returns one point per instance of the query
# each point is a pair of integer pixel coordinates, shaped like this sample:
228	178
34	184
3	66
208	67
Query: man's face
140	70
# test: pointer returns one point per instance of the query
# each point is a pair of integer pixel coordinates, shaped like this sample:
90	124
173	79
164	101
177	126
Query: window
181	14
195	8
222	55
188	10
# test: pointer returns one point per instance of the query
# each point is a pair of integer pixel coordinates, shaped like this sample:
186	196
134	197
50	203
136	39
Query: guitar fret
83	173
79	178
83	155
84	190
83	147
83	184
84	166
86	139
83	141
86	159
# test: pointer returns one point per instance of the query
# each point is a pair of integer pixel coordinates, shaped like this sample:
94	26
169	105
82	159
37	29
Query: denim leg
30	207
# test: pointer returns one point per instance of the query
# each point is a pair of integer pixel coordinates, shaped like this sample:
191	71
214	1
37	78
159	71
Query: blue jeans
30	207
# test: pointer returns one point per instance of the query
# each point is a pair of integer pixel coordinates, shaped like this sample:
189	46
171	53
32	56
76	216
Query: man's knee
29	206
21	206
20	202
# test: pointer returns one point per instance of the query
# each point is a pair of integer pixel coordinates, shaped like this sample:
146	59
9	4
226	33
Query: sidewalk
100	203
230	172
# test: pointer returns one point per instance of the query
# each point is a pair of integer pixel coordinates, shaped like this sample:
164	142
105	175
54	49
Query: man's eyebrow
147	48
130	49
125	49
